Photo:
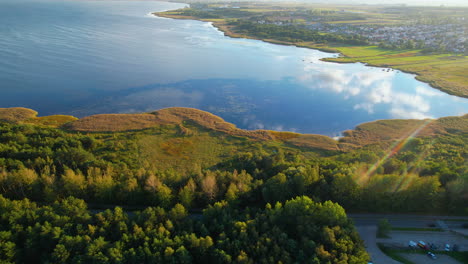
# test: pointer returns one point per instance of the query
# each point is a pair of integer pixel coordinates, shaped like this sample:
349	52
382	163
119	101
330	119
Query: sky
369	2
410	2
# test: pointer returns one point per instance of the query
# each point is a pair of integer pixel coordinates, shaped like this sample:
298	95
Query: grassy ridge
397	129
115	122
194	164
380	131
185	117
186	139
22	115
52	121
16	114
189	122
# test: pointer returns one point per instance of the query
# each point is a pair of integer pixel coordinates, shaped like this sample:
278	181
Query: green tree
383	228
74	183
187	194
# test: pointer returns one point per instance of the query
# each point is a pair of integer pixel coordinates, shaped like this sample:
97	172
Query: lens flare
396	147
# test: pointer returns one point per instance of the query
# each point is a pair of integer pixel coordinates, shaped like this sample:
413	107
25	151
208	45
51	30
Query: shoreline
382	132
227	32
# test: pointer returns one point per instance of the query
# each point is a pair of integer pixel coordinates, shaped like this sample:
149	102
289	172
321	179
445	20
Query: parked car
422	245
447	247
412	244
431	255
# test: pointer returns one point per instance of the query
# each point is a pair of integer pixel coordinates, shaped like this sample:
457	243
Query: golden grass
114	122
382	131
284	135
16	114
396	129
173	115
52	121
177	115
454	124
314	142
178	147
305	140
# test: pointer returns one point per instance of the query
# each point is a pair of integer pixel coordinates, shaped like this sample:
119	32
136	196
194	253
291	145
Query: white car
431	255
447	247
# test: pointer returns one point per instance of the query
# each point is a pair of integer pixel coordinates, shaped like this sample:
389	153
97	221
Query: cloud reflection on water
371	88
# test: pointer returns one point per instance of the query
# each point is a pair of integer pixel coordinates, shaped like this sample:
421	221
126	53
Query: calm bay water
86	57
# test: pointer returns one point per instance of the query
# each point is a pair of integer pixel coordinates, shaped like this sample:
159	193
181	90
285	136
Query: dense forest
262	201
298	231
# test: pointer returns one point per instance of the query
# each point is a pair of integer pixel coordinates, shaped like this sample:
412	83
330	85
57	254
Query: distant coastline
220	24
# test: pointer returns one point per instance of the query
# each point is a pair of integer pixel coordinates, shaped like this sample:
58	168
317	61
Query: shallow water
85	57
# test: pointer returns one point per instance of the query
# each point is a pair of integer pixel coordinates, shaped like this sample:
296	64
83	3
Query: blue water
85	57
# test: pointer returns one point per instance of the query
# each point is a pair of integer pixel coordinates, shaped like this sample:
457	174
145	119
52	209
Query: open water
89	57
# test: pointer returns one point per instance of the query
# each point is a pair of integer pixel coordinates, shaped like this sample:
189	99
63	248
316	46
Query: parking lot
366	225
439	239
423	259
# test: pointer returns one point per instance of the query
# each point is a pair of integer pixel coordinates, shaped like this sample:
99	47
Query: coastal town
441	37
378	27
448	37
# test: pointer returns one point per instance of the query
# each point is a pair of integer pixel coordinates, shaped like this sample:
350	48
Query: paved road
366	225
368	234
423	259
397	220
